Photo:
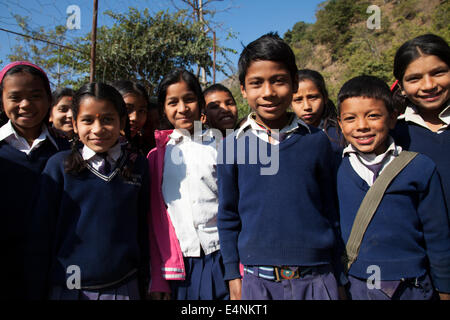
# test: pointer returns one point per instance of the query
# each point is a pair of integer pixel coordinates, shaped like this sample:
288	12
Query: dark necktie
105	167
375	168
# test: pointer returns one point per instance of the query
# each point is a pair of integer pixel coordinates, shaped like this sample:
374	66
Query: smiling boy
408	237
282	227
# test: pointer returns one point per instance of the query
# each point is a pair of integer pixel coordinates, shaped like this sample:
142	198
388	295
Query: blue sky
248	19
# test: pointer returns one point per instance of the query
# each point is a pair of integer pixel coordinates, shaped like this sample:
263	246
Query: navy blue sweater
409	234
436	146
83	220
19	173
287	218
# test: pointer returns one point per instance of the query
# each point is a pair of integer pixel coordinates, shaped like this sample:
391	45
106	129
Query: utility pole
93	41
200	5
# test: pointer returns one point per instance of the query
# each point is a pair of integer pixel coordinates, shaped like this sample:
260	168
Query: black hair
175	76
34	72
427	44
59	93
126	87
74	163
329	114
268	47
218	87
367	87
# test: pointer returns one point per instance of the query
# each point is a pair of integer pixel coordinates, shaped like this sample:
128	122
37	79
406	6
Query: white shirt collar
411	114
250	122
179	135
114	153
7	130
372	158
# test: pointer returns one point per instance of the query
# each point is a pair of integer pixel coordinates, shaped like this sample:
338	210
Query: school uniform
185	255
95	220
20	167
412	133
408	238
284	217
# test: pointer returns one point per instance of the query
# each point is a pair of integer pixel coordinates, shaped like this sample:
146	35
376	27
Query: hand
159	296
342	293
444	296
235	287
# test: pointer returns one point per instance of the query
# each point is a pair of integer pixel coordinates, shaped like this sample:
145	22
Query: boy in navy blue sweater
408	238
277	197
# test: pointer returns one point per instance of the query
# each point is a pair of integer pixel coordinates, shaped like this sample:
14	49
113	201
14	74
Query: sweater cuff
232	271
442	284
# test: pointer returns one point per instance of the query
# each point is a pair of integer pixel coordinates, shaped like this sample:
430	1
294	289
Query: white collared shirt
262	133
96	161
10	135
359	160
190	191
411	114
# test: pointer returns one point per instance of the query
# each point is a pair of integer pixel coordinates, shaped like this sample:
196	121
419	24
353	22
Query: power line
46	41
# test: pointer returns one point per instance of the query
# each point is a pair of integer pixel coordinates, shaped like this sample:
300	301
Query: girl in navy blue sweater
422	68
25	146
90	217
408	238
312	104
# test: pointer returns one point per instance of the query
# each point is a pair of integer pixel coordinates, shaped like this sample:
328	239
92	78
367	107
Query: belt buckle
285	273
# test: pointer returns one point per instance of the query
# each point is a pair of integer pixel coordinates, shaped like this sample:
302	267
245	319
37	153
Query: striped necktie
105	167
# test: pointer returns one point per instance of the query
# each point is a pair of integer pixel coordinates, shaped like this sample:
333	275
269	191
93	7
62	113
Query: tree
138	47
201	11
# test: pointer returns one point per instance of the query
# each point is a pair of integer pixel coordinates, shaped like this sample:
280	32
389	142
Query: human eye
440	72
412	78
230	103
86	120
254	83
212	105
14	98
348	118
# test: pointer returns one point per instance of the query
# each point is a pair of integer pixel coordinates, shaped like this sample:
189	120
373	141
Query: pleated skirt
204	279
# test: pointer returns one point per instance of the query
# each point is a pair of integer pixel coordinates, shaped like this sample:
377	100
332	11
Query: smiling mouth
365	139
431	97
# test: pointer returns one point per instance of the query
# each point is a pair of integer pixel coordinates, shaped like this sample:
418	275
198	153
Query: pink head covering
24	63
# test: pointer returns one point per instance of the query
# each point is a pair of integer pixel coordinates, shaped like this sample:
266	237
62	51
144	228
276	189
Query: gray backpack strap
370	204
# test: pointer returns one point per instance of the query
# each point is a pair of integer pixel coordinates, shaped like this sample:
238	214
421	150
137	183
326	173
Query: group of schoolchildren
97	205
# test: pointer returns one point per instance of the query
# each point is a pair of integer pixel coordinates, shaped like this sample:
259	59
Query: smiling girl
185	259
91	211
61	111
422	68
25	147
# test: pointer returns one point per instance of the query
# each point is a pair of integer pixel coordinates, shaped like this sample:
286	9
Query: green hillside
340	45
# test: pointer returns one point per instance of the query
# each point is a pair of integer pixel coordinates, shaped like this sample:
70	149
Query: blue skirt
204	279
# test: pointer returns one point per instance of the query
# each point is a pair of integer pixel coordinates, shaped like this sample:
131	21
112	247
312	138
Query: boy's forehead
258	68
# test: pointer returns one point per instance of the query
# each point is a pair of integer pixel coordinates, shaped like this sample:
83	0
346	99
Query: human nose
132	116
182	107
307	105
428	83
97	127
69	114
361	124
24	103
267	89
